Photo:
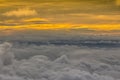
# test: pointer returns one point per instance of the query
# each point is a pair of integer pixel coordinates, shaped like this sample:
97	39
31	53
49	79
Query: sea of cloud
55	62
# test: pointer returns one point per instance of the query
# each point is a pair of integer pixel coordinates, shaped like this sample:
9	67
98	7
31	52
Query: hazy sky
86	15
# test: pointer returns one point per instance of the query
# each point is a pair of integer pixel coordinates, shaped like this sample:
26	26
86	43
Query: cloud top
70	62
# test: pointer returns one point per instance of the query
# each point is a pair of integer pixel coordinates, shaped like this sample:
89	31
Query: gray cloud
70	63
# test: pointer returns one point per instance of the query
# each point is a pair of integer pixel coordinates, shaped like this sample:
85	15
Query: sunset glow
100	27
88	15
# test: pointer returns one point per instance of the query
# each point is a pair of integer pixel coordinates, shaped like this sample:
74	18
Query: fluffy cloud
21	12
70	63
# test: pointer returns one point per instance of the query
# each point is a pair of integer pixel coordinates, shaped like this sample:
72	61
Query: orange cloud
35	19
97	27
112	29
99	17
21	12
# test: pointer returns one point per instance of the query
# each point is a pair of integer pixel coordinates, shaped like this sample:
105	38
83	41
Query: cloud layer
98	11
49	62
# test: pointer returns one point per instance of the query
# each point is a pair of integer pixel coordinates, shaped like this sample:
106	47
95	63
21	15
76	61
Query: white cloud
21	12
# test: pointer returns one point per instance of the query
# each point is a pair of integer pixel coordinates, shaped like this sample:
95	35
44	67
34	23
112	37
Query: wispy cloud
21	12
98	16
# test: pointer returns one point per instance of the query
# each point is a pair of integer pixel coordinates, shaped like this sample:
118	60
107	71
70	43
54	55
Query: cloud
21	12
70	62
35	19
5	55
98	16
22	22
59	13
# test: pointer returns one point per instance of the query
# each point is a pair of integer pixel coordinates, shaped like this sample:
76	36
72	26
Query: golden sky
98	15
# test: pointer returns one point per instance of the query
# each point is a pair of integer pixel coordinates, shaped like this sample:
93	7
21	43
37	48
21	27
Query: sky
82	15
